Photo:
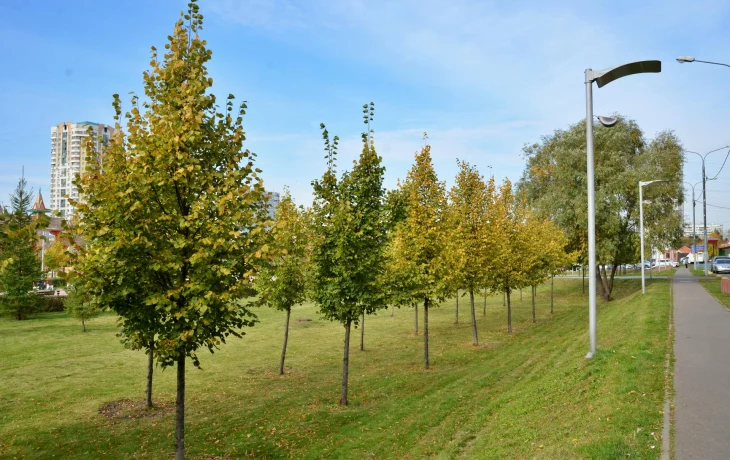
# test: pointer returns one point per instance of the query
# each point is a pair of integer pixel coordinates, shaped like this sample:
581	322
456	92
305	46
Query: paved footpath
701	372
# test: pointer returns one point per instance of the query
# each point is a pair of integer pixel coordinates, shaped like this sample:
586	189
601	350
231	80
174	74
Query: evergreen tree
20	265
79	305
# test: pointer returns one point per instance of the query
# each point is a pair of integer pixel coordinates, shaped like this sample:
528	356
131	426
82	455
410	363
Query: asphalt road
701	372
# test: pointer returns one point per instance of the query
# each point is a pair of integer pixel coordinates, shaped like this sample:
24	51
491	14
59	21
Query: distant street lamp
694	225
602	78
704	197
641	228
683	59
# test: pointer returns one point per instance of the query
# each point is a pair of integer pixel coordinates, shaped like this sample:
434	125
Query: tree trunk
415	329
552	292
485	301
362	333
473	318
180	406
509	312
584	278
286	340
602	287
610	281
457	307
150	369
345	364
533	304
83	324
425	333
392	311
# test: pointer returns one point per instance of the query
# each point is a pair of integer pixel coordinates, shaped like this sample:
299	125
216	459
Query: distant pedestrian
686	264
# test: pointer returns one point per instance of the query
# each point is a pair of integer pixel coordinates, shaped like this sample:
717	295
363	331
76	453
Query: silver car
721	265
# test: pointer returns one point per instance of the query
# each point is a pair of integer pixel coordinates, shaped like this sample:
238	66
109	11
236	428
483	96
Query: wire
716	206
723	165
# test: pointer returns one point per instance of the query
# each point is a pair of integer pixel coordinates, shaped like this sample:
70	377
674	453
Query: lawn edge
668	430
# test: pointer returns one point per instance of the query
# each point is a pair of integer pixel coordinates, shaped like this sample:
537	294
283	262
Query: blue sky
482	78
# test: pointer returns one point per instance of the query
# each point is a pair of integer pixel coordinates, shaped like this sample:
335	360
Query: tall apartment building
68	158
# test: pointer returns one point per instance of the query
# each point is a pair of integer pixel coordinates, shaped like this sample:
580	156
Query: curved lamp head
683	59
607	121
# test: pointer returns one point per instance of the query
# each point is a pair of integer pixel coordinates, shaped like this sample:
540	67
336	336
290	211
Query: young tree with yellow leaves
173	223
280	282
467	250
421	239
348	233
511	249
546	253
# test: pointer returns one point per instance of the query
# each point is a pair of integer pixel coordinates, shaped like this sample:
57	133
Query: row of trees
359	249
174	233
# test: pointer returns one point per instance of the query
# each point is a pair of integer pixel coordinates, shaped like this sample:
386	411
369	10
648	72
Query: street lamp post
704	199
641	228
683	59
694	225
602	78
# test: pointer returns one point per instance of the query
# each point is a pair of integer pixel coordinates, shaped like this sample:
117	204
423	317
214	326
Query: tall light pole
694	225
704	199
641	227
682	60
602	78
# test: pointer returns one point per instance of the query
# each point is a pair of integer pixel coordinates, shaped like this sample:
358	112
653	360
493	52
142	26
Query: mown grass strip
529	394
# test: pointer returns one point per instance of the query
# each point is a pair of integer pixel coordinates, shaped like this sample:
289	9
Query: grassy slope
714	288
531	394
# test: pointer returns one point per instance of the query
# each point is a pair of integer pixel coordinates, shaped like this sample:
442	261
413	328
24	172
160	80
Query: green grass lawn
699	271
714	288
531	394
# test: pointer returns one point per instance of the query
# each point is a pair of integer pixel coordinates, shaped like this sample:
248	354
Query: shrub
53	303
20	306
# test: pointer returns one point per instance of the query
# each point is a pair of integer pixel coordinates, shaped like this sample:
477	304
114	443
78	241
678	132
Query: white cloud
517	60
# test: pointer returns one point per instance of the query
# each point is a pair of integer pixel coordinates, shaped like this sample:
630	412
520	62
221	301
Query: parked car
675	264
720	265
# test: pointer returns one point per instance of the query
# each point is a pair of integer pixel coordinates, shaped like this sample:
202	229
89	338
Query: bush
53	303
58	282
20	306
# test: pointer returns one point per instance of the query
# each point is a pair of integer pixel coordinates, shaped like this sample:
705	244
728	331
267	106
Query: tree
420	239
79	305
547	253
554	181
348	250
512	251
20	265
174	221
281	282
467	251
56	257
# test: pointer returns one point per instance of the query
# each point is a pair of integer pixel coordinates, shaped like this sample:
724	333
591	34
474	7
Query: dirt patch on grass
134	409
